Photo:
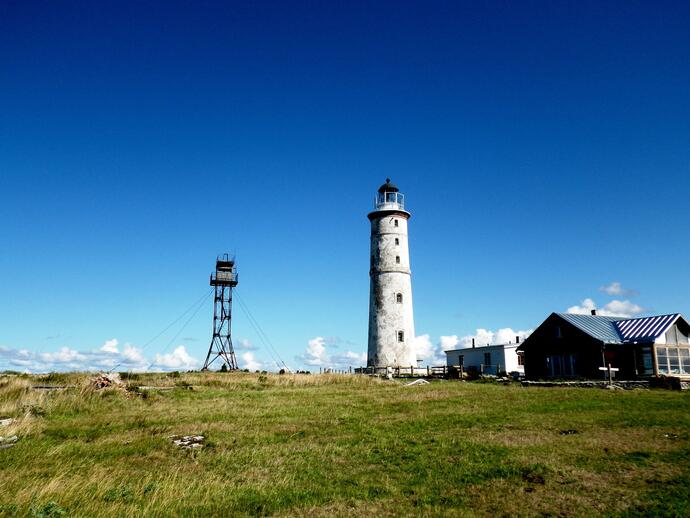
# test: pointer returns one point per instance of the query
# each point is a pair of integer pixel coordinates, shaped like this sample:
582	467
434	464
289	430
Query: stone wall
634	384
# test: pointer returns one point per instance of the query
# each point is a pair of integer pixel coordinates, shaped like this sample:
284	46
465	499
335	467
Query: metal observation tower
223	280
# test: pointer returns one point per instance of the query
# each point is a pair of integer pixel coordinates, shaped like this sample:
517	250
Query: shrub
150	487
35	410
472	373
49	510
119	493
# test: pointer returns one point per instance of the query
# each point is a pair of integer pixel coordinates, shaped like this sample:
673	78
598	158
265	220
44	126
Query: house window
398	298
558	332
397	241
521	359
397	259
662	360
401	336
395	222
673	360
684	360
461	360
487	359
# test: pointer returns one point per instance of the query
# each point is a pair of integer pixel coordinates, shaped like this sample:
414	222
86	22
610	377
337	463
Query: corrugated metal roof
616	330
601	328
644	329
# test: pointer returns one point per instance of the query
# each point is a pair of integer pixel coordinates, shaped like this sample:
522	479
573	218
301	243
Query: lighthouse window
398	298
397	241
401	336
395	222
397	259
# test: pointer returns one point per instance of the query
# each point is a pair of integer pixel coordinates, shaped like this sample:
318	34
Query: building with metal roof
570	345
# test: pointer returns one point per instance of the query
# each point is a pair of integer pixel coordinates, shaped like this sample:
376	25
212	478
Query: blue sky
544	149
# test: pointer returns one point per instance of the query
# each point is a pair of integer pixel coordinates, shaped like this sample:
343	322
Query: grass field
323	445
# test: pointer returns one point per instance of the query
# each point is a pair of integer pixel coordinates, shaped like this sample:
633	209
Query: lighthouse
391	322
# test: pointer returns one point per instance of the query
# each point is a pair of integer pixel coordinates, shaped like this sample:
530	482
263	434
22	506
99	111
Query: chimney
517	339
472	343
594	312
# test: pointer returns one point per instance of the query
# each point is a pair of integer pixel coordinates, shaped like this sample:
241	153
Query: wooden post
462	372
609	370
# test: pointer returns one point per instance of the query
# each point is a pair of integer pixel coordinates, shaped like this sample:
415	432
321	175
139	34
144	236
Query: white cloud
178	359
615	308
616	289
448	343
108	356
622	308
349	358
508	335
133	355
250	362
481	337
424	349
108	363
110	346
585	307
64	355
317	355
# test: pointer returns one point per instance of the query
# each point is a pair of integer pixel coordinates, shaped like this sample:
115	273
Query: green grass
342	445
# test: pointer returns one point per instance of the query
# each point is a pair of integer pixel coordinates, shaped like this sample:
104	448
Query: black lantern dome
388	187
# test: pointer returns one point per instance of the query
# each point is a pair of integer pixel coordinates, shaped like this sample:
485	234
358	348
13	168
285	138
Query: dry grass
340	445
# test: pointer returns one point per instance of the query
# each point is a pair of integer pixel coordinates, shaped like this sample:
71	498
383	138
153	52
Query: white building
391	322
488	359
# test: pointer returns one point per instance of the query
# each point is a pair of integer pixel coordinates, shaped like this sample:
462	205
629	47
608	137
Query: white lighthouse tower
391	323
